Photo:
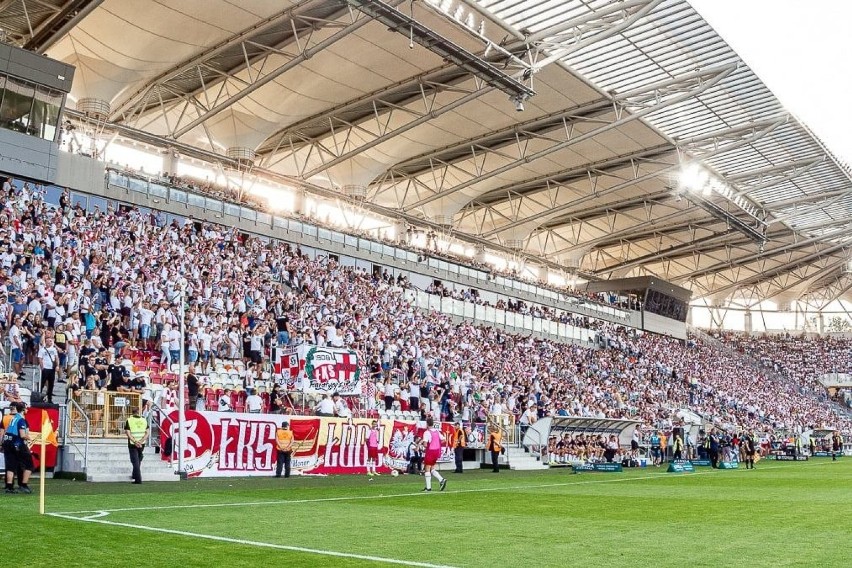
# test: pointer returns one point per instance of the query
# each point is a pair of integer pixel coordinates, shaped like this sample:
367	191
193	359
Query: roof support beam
615	26
721	142
54	28
688	247
126	107
782	174
784	268
379	102
798	245
588	170
304	54
492	140
638	102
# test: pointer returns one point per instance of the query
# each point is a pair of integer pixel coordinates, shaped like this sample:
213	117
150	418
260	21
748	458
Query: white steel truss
627	107
344	146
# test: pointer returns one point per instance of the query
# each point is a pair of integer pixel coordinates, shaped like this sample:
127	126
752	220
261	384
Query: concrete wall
28	156
664	326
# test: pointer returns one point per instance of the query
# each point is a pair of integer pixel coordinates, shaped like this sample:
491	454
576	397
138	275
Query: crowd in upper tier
800	358
116	274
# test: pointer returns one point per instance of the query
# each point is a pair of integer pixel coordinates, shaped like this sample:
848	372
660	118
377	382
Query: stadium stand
115	270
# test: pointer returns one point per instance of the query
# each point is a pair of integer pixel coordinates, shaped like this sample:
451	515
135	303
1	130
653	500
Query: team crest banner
227	444
318	370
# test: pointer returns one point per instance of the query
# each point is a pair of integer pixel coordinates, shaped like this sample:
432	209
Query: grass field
781	514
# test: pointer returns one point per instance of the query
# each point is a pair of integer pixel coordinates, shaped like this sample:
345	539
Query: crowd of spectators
116	276
407	241
801	358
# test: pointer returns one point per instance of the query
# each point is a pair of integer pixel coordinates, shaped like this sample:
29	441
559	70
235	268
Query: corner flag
46	436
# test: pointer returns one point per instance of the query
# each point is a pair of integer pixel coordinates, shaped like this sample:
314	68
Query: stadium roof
627	96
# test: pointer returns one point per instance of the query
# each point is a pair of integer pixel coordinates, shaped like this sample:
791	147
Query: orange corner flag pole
48	436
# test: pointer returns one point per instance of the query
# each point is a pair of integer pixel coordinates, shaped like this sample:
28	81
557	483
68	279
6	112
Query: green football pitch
781	514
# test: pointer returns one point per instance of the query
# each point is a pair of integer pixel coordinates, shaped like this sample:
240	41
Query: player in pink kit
373	449
432	444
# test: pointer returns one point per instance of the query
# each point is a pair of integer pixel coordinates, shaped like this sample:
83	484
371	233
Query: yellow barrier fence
506	423
107	411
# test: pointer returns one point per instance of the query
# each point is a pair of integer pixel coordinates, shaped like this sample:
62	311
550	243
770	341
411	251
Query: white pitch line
255	543
655	475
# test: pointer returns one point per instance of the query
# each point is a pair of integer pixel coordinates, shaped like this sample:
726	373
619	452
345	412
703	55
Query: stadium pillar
171	161
399	228
181	380
300	202
747	321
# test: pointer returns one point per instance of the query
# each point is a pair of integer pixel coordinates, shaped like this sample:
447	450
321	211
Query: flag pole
41	475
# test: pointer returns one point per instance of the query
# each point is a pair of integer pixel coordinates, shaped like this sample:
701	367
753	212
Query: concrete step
108	461
522	461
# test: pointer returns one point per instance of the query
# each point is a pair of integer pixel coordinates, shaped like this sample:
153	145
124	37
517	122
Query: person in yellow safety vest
677	448
459	444
136	430
495	437
284	446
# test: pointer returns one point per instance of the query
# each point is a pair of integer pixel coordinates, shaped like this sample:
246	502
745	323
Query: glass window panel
351	241
309	230
178	195
51	194
324	234
212	204
77	199
264	218
98	202
247	213
137	184
45	114
17	105
231	209
337	237
195	200
387	250
158	190
279	222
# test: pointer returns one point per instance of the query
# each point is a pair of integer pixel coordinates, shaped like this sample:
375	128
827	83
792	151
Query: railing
106	409
491	315
506	423
538	449
74	409
154	425
164	190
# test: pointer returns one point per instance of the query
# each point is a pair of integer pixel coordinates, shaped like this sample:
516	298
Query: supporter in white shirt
254	403
225	401
325	407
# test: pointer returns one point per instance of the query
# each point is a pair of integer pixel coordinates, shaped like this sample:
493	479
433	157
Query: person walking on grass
750	449
432	444
372	450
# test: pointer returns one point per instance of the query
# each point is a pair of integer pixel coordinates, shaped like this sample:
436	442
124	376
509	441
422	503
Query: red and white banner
318	370
224	444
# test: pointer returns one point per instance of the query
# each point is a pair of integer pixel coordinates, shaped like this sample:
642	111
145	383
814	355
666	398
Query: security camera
519	105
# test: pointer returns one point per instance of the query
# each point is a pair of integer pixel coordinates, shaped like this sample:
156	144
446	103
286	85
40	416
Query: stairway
523	461
109	461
